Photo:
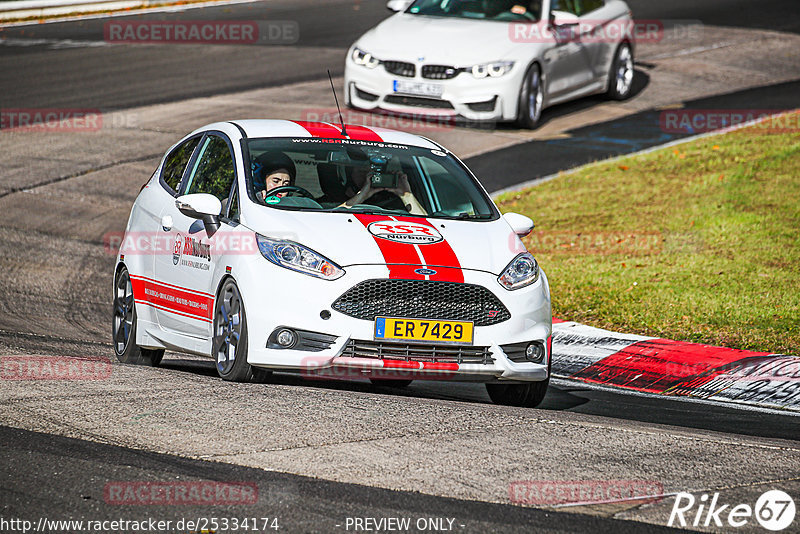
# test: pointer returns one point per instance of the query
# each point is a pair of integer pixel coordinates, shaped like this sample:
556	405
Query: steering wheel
289	189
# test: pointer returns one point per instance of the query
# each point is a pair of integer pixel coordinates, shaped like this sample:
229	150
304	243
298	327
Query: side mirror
398	5
201	206
521	224
560	19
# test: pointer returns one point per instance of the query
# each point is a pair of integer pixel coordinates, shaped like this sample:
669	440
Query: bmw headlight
365	59
521	272
298	258
495	70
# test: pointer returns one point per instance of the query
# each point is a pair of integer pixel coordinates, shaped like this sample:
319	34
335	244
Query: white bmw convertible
368	253
491	60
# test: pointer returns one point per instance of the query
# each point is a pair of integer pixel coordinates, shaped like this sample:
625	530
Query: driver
360	189
271	170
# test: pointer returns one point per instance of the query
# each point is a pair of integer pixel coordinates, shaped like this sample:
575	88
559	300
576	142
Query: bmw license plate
418	88
395	328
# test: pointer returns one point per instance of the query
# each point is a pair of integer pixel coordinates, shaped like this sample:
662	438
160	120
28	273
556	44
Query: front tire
531	98
229	343
123	326
528	395
620	78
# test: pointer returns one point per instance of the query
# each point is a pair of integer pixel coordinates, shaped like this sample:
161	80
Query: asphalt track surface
301	504
61	72
55	73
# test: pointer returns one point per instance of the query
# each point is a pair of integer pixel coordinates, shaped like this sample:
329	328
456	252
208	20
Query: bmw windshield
498	10
314	174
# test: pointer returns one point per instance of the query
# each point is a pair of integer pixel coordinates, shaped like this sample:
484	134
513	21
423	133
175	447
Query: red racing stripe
401	258
439	254
172	299
320	129
329	131
361	133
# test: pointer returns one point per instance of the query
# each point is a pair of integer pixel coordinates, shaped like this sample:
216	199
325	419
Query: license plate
418	88
423	330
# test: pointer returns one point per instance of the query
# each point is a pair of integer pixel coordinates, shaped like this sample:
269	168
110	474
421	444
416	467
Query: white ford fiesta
491	60
369	253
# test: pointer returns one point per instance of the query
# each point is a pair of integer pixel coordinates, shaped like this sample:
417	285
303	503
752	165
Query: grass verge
699	242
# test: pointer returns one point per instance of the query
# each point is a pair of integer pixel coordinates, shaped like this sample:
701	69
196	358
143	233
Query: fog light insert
286	338
534	352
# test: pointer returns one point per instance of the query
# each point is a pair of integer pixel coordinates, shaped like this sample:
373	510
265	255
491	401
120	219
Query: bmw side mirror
520	224
561	19
398	5
201	206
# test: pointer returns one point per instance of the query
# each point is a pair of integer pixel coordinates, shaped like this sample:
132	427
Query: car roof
290	128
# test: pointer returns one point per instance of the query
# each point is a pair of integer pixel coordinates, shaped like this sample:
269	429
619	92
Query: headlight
298	258
521	272
495	70
364	59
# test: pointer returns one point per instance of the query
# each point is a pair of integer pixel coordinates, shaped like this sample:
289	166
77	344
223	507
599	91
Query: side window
214	171
233	213
570	6
176	163
590	5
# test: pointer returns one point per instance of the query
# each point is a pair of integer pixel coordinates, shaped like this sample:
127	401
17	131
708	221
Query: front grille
422	299
400	68
440	72
418	102
418	352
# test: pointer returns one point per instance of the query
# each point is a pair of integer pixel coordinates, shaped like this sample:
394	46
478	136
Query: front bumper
344	355
479	100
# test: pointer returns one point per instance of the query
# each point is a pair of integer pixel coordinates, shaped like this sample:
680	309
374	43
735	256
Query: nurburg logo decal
403	232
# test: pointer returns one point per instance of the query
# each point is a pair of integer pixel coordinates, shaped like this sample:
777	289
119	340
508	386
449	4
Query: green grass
700	242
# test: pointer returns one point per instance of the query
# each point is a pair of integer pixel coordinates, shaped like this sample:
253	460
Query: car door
186	274
600	28
568	67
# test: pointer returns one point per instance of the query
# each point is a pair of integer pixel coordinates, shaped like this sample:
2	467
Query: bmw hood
358	239
438	40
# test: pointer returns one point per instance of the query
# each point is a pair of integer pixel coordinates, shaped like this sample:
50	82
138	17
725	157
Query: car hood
439	40
350	239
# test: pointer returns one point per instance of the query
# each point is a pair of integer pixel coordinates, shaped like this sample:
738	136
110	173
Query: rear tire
531	99
620	78
229	341
123	326
528	395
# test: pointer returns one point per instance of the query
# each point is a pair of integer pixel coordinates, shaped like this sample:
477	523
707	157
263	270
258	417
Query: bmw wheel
229	344
528	395
123	326
620	79
531	98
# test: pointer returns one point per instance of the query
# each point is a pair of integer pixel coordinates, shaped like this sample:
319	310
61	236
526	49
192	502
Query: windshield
502	10
314	174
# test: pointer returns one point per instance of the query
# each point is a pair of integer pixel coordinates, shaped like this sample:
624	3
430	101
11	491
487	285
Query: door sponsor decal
173	299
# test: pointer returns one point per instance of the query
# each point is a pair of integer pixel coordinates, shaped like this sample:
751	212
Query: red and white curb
675	368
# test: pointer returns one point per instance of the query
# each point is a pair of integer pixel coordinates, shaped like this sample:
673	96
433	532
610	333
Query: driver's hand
403	186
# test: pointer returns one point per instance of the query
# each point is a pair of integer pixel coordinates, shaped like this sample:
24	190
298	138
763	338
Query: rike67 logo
774	510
